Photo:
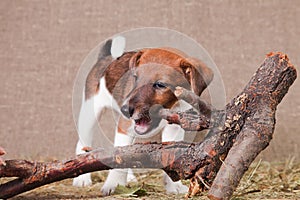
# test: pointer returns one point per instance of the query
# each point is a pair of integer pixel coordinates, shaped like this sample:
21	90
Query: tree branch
248	120
194	100
265	91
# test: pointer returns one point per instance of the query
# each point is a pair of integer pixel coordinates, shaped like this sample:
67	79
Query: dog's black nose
127	110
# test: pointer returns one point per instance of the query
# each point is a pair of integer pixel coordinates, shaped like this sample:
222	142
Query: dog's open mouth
145	124
142	125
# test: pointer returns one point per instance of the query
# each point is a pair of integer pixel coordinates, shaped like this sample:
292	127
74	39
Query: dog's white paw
176	188
115	177
82	180
131	177
108	188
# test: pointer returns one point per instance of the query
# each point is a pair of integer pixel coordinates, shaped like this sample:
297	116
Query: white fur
117	46
115	177
87	118
90	110
122	139
174	187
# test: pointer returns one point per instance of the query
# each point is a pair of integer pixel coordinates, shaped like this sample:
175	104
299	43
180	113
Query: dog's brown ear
128	61
197	73
134	60
120	66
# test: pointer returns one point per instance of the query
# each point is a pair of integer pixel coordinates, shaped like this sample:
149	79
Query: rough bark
248	120
264	92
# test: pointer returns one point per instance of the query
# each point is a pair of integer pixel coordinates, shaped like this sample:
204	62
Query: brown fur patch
92	80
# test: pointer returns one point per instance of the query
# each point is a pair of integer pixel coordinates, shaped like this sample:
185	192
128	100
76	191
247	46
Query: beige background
43	43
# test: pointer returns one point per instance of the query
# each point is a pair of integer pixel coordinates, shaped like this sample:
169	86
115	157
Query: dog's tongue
141	129
142	126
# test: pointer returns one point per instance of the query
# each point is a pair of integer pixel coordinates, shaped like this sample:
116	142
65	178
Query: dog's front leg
170	133
119	176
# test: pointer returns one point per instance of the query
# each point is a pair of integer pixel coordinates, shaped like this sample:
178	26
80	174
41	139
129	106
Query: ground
263	180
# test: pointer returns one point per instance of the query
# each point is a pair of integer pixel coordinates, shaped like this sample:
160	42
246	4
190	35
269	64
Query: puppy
137	84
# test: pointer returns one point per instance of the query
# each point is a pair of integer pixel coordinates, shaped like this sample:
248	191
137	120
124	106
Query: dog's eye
159	85
135	77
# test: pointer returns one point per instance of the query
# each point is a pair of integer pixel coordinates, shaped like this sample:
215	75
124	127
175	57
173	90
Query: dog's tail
113	47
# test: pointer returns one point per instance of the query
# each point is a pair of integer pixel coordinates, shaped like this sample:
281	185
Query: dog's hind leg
92	106
88	115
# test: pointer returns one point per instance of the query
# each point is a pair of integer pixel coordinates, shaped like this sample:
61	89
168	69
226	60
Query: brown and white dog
137	84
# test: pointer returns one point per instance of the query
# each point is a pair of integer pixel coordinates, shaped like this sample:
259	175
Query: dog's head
156	73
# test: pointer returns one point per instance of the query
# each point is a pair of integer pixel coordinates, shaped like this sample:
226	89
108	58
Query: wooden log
264	92
248	120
